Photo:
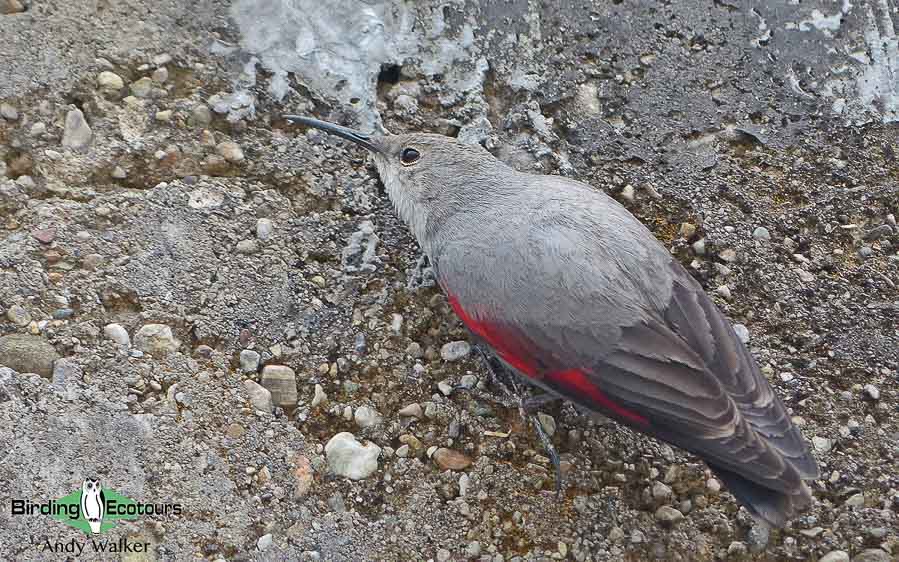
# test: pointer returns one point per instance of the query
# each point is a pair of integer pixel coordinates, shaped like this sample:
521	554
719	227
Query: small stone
805	276
264	542
347	457
18	315
724	292
77	134
319	397
142	88
737	549
302	475
63	313
761	233
119	173
235	431
38	129
411	411
730	256
403	451
855	500
713	486
872	555
628	193
160	75
260	397
742	333
11	7
445	388
246	247
821	444
447	459
110	82
156	339
200	116
548	423
264	229
27	354
44	235
117	333
667	515
249	361
872	391
455	350
661	492
687	230
164	116
699	247
8	112
318	281
468	381
366	417
281	381
230	151
473	550
443	555
835	556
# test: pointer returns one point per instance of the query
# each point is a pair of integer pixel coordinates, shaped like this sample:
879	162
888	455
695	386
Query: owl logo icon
93	503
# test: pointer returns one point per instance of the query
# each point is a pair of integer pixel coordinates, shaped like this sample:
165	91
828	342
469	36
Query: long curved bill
353	135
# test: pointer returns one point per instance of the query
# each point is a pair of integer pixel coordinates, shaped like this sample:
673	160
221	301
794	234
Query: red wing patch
512	348
577	382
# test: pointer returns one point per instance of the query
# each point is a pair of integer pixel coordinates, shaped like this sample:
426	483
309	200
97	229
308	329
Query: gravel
455	350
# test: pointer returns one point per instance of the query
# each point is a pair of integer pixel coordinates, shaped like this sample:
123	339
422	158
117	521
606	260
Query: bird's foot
527	406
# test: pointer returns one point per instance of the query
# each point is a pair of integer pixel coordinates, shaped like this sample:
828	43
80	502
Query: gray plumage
576	294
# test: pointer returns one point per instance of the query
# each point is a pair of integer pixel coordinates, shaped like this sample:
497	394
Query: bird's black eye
409	156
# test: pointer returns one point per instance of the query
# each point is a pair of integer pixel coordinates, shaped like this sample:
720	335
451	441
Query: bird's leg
526	407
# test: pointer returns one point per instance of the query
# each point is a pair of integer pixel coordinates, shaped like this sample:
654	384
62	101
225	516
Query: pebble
63	313
319	397
249	361
835	556
110	82
359	344
11	7
805	276
164	116
119	173
28	354
455	350
260	397
628	193
855	500
117	333
872	555
548	423
77	134
468	381
411	411
366	416
729	255
230	151
742	332
699	247
737	549
302	475
821	444
347	457
18	315
445	388
264	542
661	492
473	550
44	235
38	129
246	247
687	230
8	112
724	292
264	229
443	555
667	515
761	233
200	116
160	75
872	391
447	459
281	381
142	88
156	339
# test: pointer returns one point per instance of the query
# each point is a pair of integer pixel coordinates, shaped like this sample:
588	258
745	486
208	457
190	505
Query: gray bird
573	293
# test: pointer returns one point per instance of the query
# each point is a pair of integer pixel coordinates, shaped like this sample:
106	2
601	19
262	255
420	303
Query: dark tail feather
770	505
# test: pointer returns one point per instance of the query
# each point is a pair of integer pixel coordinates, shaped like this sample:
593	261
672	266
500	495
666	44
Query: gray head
428	177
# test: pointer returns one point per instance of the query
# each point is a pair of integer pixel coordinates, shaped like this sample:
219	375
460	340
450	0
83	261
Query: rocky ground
201	303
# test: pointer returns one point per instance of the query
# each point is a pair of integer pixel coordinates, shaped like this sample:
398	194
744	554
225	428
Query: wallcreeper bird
571	291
